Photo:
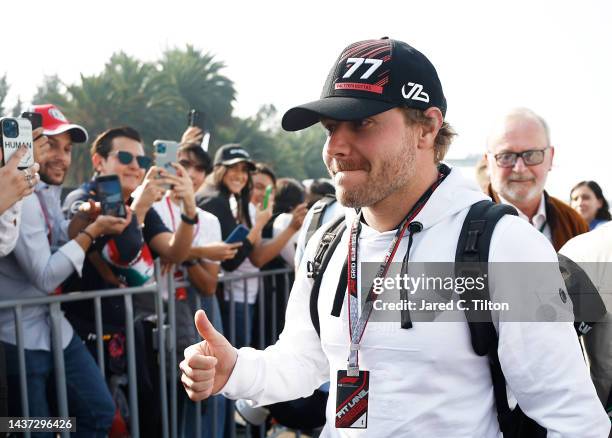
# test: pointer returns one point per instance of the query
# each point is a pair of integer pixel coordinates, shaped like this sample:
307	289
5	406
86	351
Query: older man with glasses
519	157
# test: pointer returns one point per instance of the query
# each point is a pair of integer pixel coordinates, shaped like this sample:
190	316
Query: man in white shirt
202	271
43	258
593	252
383	109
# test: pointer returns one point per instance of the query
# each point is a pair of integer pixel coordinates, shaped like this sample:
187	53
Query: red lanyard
170	210
357	324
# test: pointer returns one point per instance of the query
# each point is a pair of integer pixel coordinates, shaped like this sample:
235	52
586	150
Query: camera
10	128
161	148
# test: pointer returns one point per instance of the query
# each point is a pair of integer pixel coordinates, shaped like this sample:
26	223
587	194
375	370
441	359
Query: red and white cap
54	122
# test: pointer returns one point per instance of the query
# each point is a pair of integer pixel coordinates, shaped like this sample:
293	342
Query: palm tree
196	79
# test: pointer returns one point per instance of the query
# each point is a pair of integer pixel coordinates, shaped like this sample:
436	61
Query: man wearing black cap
383	108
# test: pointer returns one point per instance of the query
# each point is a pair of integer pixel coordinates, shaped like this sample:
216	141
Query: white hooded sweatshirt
427	381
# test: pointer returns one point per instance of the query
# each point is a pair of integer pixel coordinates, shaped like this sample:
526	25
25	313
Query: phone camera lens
10	128
161	148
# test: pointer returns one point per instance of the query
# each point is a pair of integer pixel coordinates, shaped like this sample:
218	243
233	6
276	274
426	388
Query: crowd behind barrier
128	287
170	424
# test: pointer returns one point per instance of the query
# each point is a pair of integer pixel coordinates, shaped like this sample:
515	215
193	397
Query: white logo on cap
415	93
374	64
57	114
239	152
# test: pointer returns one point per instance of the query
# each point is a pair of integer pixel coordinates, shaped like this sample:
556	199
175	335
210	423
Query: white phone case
165	153
10	145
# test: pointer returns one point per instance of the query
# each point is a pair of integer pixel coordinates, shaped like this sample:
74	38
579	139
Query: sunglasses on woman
127	158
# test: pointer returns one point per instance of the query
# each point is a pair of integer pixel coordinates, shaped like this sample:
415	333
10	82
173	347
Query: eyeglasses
531	157
188	165
126	158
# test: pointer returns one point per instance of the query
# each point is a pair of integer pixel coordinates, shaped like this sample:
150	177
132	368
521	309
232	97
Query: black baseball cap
233	153
371	77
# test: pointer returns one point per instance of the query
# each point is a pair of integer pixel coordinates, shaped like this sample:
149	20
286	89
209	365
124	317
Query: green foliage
18	108
155	97
52	90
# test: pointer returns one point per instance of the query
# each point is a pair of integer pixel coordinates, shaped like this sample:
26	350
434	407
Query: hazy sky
551	56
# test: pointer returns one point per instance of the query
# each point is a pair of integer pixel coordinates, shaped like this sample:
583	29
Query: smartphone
268	193
111	199
196	118
34	118
14	133
166	152
238	234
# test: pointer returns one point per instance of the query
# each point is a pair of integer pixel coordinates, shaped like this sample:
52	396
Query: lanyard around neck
357	323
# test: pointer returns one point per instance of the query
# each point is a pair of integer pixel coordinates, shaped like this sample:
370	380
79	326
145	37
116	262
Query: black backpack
473	251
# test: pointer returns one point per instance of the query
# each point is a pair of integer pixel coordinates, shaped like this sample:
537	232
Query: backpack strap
317	214
316	267
472	259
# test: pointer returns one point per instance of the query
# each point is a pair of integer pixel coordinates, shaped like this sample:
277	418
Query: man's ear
552	155
97	160
429	131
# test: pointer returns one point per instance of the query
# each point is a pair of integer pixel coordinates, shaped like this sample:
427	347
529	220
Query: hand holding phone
14	134
196	118
166	152
238	234
267	194
17	183
111	198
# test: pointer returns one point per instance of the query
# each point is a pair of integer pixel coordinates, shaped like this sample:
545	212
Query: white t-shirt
593	252
281	223
207	230
246	267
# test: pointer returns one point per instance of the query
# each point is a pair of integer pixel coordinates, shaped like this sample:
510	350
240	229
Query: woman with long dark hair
587	198
226	194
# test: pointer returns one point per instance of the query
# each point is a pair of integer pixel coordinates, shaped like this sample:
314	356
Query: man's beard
516	194
392	173
44	177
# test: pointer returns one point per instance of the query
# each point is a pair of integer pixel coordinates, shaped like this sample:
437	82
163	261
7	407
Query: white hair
525	114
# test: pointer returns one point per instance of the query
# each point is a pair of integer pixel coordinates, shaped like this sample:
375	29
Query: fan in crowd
587	198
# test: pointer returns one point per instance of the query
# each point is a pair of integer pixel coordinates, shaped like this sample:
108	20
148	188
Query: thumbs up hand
208	364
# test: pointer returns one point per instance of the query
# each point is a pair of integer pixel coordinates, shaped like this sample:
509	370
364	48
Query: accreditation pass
352	400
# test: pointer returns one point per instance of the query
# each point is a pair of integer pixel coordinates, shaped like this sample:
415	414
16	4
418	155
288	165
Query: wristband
87	234
188	220
190	263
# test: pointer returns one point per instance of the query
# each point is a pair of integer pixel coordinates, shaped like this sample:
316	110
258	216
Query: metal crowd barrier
165	338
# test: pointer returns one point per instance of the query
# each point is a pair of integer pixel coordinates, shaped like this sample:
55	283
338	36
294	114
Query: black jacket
218	204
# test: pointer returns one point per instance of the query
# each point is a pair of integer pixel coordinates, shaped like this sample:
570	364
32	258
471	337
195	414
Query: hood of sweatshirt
453	195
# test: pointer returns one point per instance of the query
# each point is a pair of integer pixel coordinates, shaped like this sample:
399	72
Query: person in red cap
55	159
42	260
